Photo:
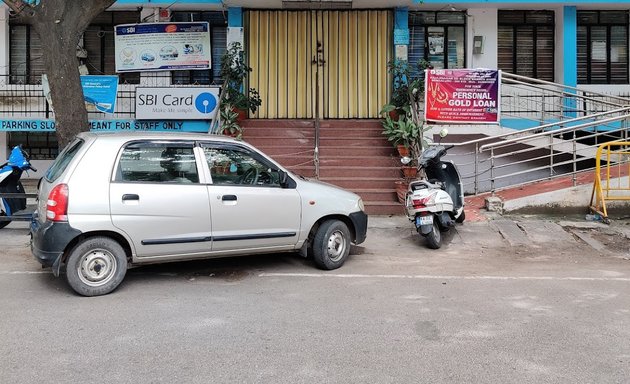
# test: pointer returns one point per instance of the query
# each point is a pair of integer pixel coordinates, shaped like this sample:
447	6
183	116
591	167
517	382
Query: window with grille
26	64
98	41
39	145
437	37
218	41
602	47
526	43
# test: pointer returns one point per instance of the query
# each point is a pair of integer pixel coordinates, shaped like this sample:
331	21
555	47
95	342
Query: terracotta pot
401	190
242	114
409	172
228	133
402	150
393	114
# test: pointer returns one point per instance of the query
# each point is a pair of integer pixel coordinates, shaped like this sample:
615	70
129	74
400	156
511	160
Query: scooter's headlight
361	206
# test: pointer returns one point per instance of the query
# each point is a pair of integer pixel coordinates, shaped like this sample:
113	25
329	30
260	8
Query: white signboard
164	103
162	46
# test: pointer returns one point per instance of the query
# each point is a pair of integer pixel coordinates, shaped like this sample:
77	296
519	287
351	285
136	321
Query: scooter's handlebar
32	168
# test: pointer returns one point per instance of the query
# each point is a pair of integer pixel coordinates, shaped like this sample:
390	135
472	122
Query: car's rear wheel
331	244
96	266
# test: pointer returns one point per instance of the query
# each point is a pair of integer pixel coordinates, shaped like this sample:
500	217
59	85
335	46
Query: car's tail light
422	203
57	204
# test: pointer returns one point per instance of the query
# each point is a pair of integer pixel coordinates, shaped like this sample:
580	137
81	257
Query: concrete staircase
353	155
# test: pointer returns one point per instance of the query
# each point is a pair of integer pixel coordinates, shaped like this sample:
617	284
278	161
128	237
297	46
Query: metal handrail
545	126
555	132
531	80
550	149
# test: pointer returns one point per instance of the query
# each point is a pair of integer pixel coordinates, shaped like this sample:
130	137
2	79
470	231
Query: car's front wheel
331	244
96	266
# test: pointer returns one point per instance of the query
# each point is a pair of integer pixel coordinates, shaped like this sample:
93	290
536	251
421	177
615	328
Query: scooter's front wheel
4	223
434	238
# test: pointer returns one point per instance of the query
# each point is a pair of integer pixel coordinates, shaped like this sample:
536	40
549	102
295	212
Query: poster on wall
162	46
99	92
462	96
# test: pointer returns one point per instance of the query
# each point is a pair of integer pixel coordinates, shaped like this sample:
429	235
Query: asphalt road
494	305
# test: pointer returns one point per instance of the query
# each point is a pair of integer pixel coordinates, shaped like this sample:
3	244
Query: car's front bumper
49	241
360	222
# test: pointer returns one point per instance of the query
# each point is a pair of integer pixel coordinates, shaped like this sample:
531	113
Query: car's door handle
130	196
228	198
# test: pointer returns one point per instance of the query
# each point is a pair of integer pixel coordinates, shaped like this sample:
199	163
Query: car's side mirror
283	178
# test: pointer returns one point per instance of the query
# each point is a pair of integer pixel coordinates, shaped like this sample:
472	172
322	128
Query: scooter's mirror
443	132
405	160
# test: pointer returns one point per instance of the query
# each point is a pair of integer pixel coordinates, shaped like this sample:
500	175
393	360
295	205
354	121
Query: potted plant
229	124
234	72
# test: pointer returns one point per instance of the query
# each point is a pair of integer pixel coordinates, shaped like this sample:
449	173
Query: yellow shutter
353	81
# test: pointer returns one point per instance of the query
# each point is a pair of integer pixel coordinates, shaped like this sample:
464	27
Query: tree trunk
66	93
60	24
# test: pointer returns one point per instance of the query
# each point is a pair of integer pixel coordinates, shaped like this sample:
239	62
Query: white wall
482	22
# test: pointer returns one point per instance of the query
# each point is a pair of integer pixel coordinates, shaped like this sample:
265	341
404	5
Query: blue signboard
100	91
45	125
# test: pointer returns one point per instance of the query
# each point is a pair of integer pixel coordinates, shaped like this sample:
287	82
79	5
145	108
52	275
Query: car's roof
138	135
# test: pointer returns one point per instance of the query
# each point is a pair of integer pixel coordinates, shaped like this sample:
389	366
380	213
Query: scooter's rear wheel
2	222
434	238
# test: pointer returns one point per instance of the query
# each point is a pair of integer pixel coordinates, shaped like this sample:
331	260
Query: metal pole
550	155
574	160
476	168
318	61
492	171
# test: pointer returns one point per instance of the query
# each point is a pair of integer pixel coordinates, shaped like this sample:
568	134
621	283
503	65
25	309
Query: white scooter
435	201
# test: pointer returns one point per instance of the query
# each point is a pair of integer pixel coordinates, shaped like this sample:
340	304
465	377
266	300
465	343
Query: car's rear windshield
61	162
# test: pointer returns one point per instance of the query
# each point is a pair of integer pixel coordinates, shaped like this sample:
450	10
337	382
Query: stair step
384	208
346	171
353	161
362	182
377	150
375	195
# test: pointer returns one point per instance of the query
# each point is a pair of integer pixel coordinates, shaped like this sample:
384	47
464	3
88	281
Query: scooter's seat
437	182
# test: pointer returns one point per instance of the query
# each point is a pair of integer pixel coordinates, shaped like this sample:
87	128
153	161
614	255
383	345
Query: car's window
61	163
158	162
236	166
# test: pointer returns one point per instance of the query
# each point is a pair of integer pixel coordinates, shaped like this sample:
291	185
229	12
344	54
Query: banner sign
100	92
162	46
462	96
46	125
186	103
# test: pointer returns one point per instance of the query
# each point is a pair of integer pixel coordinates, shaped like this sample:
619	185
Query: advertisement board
162	46
185	103
100	92
462	96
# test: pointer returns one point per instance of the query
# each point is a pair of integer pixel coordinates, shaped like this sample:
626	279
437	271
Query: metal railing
569	124
27	101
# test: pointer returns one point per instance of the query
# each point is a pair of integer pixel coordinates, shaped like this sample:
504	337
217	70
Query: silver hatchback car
114	200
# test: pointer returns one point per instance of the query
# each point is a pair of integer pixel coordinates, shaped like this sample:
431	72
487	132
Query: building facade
327	58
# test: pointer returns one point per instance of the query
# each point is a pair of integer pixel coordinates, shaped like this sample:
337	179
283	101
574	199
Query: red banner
462	96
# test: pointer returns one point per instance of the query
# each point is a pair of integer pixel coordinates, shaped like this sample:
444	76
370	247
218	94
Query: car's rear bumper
360	222
49	241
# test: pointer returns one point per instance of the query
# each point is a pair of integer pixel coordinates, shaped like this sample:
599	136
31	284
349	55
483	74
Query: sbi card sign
164	103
